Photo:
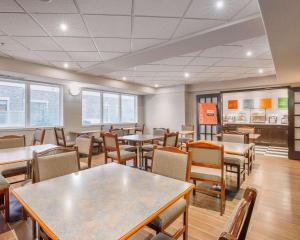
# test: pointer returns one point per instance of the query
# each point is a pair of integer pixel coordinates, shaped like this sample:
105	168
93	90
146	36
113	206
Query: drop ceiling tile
110	55
10	44
113	44
207	9
256	70
192	68
39	43
2	54
53	56
169	74
9	6
205	61
215	69
76	44
260	63
51	22
163	8
231	62
207	75
109	26
251	9
141	43
113	7
265	55
149	67
86	64
154	27
85	56
25	55
221	51
71	65
175	61
192	54
19	24
55	6
193	26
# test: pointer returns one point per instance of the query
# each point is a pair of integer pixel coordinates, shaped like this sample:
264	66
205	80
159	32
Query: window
128	108
111	108
12	104
91	107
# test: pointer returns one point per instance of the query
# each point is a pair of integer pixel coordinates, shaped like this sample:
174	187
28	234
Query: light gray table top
107	202
235	148
140	137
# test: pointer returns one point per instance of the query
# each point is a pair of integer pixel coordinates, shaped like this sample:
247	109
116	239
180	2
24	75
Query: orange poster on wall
265	103
207	113
233	104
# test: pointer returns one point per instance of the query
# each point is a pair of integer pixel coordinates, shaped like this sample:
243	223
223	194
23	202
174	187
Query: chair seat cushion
14	169
148	147
211	174
234	159
123	154
162	236
83	165
129	148
3	183
169	215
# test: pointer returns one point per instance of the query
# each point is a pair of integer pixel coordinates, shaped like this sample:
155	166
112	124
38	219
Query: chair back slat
12	141
54	163
139	127
171	139
160	131
60	136
119	131
38	136
110	141
172	162
84	144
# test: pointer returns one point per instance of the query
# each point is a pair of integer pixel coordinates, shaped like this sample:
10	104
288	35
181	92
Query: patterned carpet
271	151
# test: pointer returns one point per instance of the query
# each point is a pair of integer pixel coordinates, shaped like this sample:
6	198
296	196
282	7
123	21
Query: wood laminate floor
276	215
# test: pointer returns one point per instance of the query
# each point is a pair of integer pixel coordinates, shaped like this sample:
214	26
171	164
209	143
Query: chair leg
135	162
194	190
238	177
33	228
6	204
222	199
105	159
185	224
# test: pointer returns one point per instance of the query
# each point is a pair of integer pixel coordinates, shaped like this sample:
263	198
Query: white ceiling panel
76	44
259	63
71	65
122	7
141	43
39	43
52	22
85	56
195	69
231	62
222	51
109	26
205	61
226	69
110	55
55	6
175	61
251	9
86	64
191	26
10	44
164	8
113	44
54	56
149	27
256	70
9	6
26	55
19	24
207	9
206	75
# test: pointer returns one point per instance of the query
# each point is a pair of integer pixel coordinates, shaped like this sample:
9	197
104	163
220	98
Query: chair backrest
160	131
12	141
84	144
110	142
235	137
187	127
119	131
106	128
237	226
207	154
53	163
60	136
38	136
139	127
170	139
172	162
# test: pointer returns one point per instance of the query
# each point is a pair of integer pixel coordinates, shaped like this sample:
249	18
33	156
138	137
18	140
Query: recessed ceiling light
66	65
156	85
249	53
124	78
63	27
219	4
186	74
260	71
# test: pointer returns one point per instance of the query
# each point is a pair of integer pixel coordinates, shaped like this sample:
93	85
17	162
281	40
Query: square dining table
106	202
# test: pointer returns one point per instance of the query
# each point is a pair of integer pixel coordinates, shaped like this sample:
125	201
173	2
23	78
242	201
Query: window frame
27	97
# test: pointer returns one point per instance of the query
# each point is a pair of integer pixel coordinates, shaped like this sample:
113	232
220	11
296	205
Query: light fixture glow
74	90
249	53
260	71
219	4
156	85
186	74
66	65
63	27
124	78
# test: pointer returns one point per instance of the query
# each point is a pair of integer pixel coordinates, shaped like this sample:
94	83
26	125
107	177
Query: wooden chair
156	132
234	163
15	169
61	139
84	145
170	140
174	163
237	226
208	167
106	128
38	136
188	137
139	127
162	236
4	197
114	152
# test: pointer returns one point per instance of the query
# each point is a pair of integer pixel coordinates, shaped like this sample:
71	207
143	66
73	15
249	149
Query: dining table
106	202
241	149
84	132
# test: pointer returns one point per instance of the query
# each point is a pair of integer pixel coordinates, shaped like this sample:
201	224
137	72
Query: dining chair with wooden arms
15	169
208	167
114	152
84	145
4	197
173	163
139	128
238	224
38	136
183	139
61	138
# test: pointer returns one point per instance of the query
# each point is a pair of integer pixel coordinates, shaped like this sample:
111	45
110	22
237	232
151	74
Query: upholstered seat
3	183
206	173
148	147
14	169
234	159
169	215
162	236
129	148
123	154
